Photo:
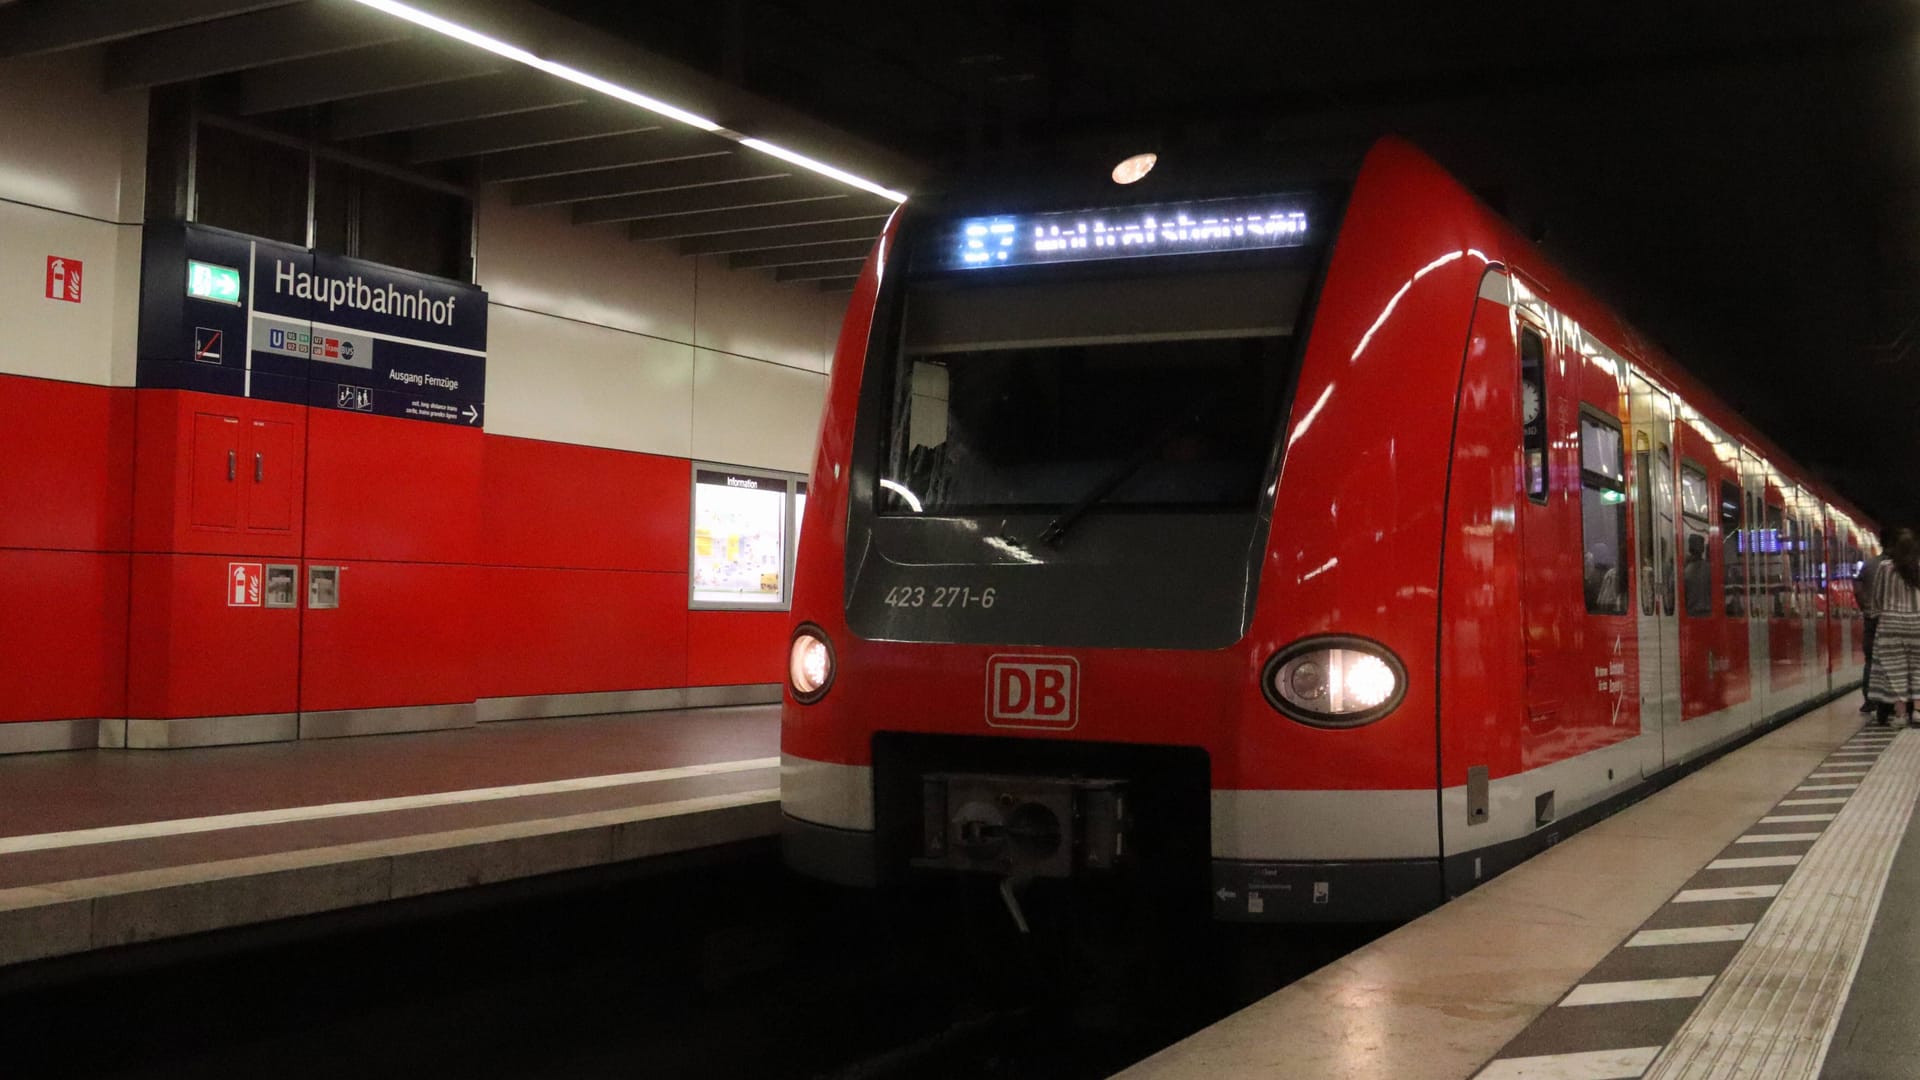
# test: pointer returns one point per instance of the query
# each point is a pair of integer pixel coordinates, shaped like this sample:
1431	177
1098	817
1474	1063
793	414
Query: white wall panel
92	341
584	378
66	145
536	258
749	412
750	314
564	381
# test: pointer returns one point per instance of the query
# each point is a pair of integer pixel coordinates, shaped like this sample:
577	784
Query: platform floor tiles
1743	972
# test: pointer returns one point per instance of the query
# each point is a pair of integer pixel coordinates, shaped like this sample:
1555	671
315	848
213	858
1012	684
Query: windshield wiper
1196	411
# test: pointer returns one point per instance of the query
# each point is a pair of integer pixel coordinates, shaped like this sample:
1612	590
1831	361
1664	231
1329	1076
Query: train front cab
1582	576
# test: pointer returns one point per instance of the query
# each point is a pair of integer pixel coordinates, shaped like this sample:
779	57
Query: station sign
227	313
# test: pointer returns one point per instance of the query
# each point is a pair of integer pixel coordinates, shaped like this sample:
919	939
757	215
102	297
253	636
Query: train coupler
1022	827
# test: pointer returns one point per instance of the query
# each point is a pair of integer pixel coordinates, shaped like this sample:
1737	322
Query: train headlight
1335	682
809	664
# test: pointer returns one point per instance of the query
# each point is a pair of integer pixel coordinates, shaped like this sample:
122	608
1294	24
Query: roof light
1134	168
619	93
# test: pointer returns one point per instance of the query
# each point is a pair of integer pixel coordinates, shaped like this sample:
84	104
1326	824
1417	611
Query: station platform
101	848
1757	919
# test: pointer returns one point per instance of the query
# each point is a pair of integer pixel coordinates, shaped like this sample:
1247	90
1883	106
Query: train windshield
1051	391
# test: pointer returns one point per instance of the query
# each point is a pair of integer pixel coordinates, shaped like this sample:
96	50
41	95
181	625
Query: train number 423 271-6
939	596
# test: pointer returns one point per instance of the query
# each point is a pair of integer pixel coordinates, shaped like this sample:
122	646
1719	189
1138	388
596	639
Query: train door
1825	615
1736	683
1546	619
1757	548
1783	616
1650	414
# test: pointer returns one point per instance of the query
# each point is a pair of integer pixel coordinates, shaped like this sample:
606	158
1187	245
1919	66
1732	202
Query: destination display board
1213	225
231	314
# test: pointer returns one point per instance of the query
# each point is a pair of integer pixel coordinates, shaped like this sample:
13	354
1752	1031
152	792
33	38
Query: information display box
745	528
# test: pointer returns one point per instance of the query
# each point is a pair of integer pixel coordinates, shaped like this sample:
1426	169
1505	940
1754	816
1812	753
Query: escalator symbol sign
357	398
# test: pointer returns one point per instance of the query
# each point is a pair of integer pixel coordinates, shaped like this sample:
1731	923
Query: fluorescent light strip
620	93
822	168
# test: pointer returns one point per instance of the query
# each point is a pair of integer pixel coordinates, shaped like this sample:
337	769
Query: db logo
1033	691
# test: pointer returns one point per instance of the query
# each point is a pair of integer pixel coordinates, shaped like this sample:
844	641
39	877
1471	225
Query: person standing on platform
1895	680
1869	618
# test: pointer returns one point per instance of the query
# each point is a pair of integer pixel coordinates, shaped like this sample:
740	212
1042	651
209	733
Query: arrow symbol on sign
1226	894
472	414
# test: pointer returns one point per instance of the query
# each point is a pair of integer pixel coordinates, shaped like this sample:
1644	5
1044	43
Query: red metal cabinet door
269	472
216	471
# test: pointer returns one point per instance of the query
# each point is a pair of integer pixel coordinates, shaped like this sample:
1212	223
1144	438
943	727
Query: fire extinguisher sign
243	584
63	279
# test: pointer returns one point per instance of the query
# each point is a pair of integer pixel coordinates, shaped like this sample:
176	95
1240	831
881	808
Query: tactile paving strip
1772	1013
1616	1024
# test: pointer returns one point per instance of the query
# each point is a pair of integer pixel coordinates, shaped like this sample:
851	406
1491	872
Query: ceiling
369	84
1741	180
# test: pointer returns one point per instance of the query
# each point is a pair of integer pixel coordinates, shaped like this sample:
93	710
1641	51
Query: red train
1319	543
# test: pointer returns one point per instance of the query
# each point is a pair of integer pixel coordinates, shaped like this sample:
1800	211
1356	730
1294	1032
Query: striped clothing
1896	644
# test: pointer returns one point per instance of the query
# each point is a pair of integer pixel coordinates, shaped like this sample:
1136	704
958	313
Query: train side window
1733	568
1603	515
1820	555
1533	411
1643	521
1696	572
1664	539
1797	566
1774	543
1732	548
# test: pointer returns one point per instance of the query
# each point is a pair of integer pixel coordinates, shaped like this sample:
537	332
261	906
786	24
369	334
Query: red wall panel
63	634
549	631
725	648
66	464
190	654
404	634
387	489
552	504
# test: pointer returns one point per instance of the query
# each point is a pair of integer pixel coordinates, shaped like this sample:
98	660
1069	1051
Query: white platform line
1613	993
1839	774
1774	1011
1781	819
1827	787
1756	861
1825	800
1592	1065
1730	892
1690	935
1778	838
181	826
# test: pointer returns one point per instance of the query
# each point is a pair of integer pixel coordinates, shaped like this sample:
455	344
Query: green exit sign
207	281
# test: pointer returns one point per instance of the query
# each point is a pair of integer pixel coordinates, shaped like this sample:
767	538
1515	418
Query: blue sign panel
314	328
1119	233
